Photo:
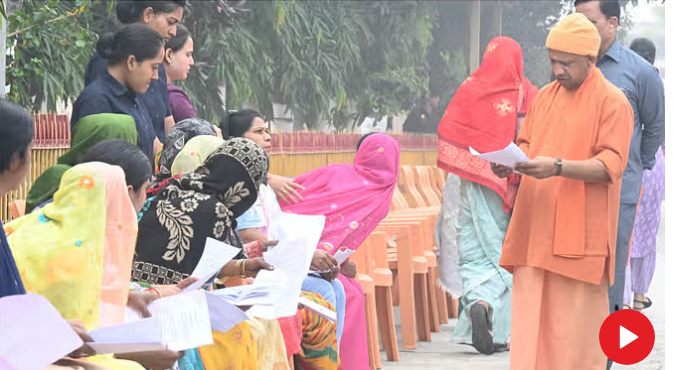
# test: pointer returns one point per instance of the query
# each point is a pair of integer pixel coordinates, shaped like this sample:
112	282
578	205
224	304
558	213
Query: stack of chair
398	264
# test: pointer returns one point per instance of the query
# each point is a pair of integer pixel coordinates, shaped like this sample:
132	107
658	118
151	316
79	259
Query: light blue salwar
480	230
334	293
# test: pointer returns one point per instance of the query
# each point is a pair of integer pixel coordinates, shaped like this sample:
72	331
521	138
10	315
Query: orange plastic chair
428	183
363	261
441	177
421	192
408	260
383	280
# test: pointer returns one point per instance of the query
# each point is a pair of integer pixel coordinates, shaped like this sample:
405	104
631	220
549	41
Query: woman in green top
88	132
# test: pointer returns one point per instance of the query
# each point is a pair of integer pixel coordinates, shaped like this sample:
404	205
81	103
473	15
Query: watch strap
559	166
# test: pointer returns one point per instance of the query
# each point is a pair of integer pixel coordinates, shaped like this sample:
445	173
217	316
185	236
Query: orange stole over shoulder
561	225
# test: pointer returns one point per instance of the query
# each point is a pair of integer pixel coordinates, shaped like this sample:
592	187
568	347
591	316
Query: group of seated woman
102	233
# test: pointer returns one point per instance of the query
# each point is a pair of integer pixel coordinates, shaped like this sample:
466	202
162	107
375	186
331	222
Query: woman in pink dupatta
354	198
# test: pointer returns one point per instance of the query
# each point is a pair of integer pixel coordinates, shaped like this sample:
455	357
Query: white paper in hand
245	295
340	256
223	315
185	320
215	255
136	336
509	157
33	334
298	237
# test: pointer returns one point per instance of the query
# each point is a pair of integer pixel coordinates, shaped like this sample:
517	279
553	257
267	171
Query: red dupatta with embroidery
483	115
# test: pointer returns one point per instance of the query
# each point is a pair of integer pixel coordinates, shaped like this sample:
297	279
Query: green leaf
80	43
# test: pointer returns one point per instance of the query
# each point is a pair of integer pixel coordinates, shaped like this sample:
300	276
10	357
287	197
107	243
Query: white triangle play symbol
625	337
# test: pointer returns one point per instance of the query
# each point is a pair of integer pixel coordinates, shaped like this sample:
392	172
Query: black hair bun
106	45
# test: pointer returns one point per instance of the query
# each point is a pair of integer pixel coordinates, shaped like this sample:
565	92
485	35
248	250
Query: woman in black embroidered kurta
173	230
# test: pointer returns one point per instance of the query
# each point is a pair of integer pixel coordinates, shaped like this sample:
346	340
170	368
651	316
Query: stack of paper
215	255
184	321
33	335
298	237
509	157
138	336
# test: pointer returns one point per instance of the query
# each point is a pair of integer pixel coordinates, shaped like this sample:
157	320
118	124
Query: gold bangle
243	268
240	269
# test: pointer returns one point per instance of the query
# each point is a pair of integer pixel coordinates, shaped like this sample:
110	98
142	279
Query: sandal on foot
646	304
482	340
626	307
499	347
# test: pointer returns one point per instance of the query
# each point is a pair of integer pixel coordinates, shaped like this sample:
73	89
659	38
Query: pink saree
354	199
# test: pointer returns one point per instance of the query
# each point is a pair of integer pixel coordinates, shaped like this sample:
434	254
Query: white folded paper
340	256
509	157
246	295
319	310
215	255
298	237
223	315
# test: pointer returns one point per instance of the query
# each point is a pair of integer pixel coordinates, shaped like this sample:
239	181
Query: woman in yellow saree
78	250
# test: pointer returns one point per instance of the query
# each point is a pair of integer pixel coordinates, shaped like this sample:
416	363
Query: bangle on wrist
559	166
243	275
155	291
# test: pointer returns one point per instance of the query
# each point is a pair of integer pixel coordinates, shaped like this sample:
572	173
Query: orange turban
575	34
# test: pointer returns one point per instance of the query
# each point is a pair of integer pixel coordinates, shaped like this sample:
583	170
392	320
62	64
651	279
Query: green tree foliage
326	60
50	47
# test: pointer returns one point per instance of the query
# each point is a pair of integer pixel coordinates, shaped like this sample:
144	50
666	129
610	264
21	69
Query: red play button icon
627	337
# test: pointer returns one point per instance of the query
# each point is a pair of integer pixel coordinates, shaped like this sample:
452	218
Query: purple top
181	106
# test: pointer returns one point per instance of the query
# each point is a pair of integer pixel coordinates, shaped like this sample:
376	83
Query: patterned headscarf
195	153
176	139
199	205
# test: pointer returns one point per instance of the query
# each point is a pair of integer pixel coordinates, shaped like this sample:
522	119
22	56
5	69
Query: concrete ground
442	354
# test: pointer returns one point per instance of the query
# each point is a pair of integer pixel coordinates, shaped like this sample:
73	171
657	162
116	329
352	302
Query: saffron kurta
565	226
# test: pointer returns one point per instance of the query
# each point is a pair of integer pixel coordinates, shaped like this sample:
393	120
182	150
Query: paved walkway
442	354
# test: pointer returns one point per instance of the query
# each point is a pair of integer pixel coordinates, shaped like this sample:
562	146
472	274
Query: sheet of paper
33	334
185	320
298	237
124	338
245	295
223	315
340	256
119	348
510	156
215	255
321	311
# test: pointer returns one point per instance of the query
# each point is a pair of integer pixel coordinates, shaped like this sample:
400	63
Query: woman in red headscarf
483	115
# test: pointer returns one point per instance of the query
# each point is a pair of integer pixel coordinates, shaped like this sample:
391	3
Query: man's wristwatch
559	166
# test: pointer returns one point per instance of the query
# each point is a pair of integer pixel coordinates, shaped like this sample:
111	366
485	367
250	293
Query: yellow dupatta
78	250
194	154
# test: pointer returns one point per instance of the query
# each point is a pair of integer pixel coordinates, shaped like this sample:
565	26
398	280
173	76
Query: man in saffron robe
560	245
